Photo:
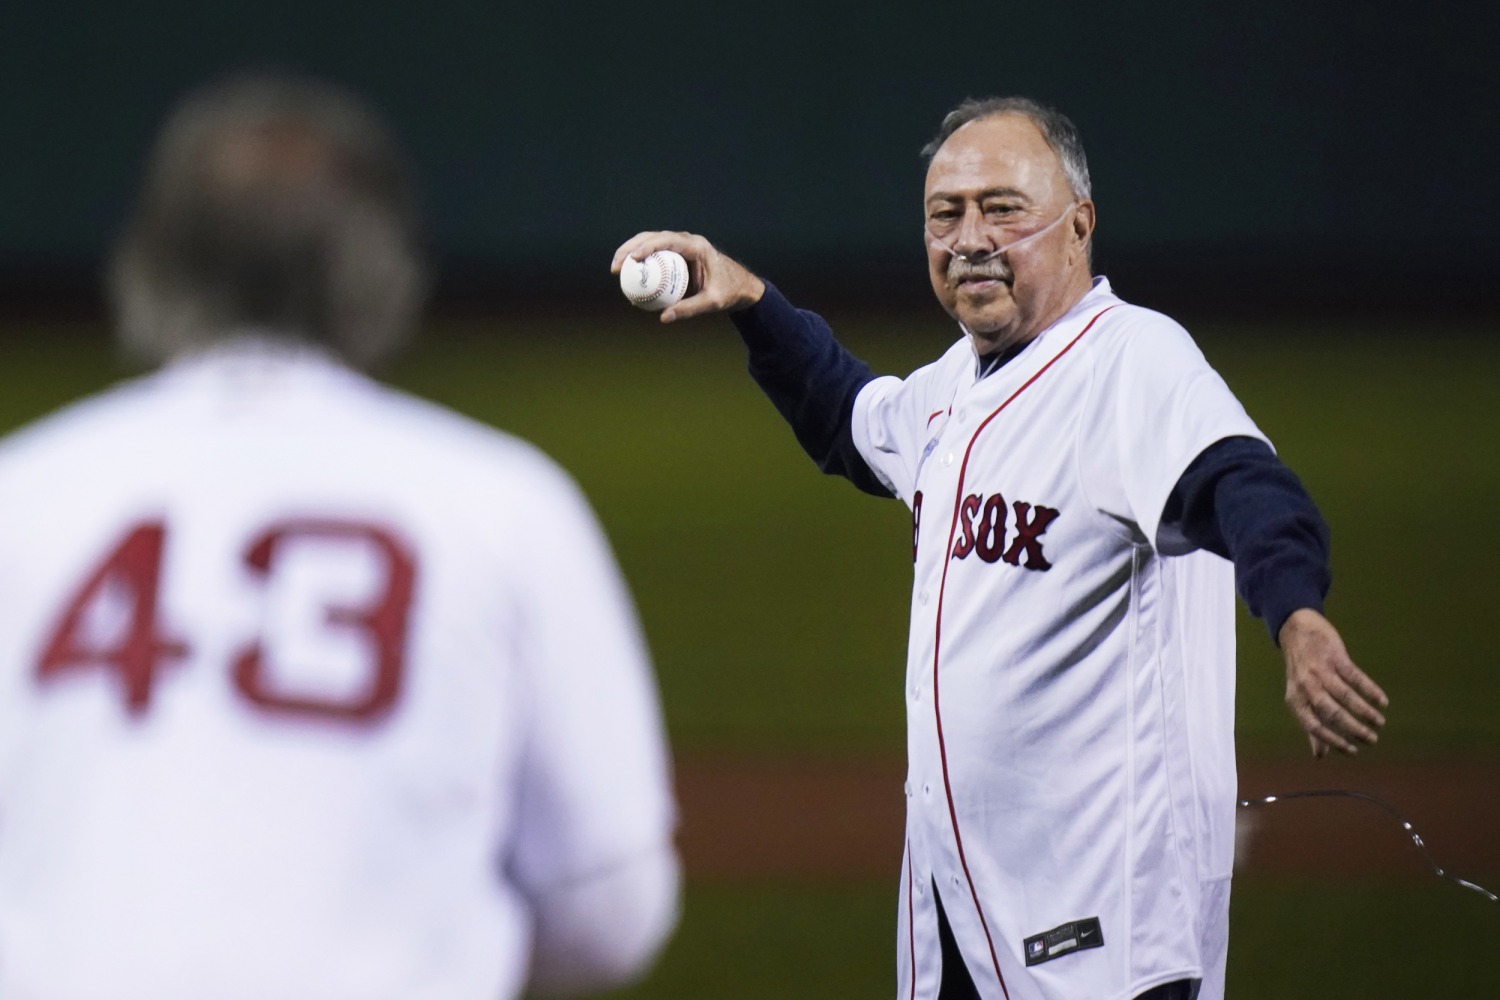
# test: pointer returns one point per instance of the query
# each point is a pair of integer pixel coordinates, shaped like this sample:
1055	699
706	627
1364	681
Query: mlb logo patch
1035	948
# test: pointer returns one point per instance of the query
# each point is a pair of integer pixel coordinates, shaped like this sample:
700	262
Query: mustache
960	268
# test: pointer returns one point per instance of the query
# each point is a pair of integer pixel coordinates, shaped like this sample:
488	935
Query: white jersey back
1070	683
303	685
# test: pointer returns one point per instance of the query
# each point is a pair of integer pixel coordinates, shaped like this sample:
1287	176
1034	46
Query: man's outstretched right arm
807	374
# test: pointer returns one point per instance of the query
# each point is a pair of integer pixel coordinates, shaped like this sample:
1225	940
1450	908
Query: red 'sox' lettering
984	523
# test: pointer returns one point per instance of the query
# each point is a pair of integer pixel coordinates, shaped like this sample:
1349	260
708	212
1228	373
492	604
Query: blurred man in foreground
308	688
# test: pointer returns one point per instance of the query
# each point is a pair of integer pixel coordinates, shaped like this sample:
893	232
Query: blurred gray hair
272	205
1060	132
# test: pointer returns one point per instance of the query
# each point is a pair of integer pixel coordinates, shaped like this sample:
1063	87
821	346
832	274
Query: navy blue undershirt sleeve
811	379
1239	501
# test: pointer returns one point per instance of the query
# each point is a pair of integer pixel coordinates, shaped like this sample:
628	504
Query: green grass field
775	599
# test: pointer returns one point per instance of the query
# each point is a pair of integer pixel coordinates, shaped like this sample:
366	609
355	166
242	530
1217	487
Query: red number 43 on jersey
130	572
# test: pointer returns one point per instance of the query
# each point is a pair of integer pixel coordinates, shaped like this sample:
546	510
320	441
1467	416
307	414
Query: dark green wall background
1273	140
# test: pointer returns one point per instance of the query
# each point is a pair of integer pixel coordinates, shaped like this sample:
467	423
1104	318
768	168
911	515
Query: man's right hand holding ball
719	283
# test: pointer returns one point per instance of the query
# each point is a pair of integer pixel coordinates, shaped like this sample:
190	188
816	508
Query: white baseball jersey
1070	681
307	689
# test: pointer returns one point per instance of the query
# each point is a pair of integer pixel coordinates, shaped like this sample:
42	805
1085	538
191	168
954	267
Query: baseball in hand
656	282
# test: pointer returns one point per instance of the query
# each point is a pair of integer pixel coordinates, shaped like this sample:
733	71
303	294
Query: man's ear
1083	221
1083	231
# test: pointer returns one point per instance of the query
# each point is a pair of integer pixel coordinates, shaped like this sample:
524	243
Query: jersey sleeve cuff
859	428
1170	543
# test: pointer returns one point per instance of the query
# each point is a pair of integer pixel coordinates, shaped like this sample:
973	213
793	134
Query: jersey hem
1162	979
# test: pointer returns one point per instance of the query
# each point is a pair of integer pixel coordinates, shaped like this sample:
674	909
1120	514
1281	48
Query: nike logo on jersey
988	524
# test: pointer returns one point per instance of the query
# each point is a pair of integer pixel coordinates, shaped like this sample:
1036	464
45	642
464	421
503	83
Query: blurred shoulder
93	422
259	404
434	436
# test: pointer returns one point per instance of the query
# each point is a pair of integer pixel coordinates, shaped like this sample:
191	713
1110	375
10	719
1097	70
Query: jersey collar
1099	293
259	360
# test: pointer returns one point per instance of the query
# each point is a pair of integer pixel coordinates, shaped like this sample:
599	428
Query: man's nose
973	238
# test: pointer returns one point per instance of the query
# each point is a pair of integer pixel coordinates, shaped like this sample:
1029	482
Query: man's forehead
1006	150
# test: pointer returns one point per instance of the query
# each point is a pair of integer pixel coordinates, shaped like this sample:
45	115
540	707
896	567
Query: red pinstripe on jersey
937	641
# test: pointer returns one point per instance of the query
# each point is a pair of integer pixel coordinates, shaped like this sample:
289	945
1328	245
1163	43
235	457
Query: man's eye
944	218
999	208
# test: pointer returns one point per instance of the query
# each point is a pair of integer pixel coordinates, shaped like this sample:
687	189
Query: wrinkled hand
717	282
1336	703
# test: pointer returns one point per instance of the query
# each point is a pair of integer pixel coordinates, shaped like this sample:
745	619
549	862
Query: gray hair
275	205
1060	132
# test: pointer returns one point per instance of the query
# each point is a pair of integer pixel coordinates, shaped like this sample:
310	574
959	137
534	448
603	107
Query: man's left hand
1335	701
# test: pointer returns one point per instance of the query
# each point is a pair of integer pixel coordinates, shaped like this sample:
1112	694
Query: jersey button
922	597
962	414
948	458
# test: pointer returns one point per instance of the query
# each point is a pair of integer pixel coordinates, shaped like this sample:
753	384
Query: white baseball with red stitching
655	283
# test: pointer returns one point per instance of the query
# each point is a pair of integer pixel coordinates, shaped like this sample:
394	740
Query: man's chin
987	324
985	305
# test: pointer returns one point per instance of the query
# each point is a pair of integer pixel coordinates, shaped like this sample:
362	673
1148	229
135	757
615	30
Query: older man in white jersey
1080	480
308	689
